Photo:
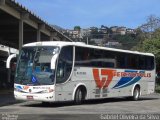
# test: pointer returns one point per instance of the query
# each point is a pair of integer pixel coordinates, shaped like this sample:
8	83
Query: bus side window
149	63
108	59
121	61
142	62
64	66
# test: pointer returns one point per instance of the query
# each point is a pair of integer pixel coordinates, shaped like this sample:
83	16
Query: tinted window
142	62
121	60
90	57
108	59
82	57
149	63
64	67
94	58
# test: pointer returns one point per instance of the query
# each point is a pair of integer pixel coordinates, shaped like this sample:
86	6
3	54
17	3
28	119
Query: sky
88	13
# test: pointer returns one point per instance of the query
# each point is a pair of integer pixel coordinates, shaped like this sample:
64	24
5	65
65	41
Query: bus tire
136	93
45	103
78	96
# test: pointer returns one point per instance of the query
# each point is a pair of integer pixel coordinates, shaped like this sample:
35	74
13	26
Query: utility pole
87	40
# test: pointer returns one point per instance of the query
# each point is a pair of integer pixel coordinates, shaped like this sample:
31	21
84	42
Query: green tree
78	28
150	31
127	41
140	37
152	45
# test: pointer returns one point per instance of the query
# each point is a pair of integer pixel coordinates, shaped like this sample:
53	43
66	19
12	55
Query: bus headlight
51	90
17	89
47	91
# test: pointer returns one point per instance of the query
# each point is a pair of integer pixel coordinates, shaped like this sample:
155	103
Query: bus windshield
33	67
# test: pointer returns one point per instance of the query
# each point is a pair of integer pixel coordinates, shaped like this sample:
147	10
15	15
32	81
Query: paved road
7	99
91	110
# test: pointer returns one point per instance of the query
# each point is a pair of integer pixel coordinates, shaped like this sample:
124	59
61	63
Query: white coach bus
71	71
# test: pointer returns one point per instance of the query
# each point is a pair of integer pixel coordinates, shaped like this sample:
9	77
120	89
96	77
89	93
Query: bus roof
81	44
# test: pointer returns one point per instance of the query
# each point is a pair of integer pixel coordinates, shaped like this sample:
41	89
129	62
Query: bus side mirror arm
9	60
53	61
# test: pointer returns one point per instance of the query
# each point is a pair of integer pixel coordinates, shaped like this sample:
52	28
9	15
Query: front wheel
136	94
46	103
78	96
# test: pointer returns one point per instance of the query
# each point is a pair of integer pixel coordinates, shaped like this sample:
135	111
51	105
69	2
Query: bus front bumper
46	97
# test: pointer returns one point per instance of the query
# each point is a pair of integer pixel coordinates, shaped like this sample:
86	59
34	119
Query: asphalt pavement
7	97
147	108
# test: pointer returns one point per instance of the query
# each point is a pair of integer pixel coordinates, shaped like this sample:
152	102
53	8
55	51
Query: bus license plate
30	97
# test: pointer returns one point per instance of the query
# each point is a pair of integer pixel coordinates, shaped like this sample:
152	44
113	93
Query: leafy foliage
127	41
151	45
78	28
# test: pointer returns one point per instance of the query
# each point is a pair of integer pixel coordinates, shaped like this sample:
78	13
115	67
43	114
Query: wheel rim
80	96
136	93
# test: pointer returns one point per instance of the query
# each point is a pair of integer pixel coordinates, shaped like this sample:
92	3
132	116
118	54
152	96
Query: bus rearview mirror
53	61
9	60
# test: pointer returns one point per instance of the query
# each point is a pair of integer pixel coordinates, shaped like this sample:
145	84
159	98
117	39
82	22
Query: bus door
63	74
